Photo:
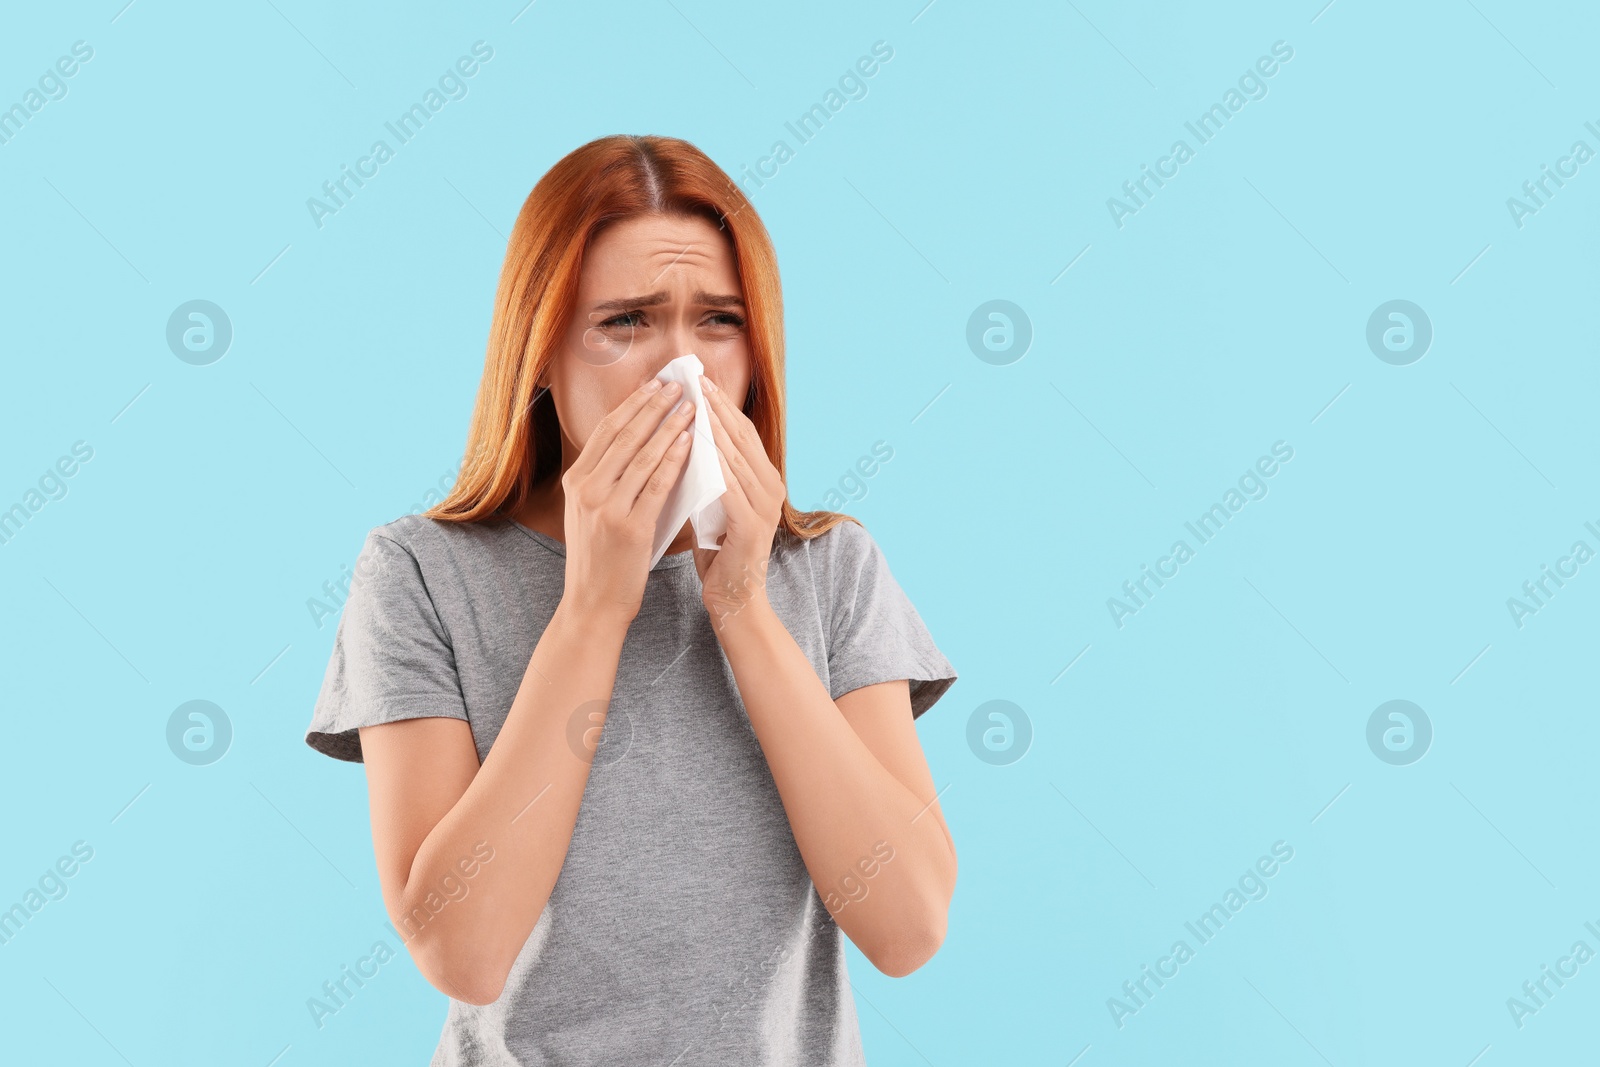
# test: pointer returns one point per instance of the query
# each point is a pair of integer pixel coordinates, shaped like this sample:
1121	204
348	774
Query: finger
647	460
737	471
723	403
633	435
653	496
606	430
735	501
745	440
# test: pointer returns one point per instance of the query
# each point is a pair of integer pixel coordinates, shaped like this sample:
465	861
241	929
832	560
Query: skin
610	351
851	773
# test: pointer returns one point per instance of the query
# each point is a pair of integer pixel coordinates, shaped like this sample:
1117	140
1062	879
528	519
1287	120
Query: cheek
587	411
730	369
586	397
728	355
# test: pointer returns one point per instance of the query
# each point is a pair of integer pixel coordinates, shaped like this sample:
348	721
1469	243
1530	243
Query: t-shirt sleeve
875	634
391	655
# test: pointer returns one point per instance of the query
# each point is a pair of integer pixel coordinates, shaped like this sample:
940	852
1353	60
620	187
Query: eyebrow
704	298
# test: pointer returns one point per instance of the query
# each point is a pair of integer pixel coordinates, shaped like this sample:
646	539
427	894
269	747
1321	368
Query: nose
668	344
679	341
666	350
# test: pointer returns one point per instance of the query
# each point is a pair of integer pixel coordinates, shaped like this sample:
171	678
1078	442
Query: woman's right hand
614	492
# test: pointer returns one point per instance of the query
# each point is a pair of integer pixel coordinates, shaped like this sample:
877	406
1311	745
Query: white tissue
697	495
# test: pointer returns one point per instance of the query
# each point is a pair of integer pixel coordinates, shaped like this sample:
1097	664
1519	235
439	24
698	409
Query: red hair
514	439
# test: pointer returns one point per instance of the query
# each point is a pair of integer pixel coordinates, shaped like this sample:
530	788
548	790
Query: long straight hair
514	439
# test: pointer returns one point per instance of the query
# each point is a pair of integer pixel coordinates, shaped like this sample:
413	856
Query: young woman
622	812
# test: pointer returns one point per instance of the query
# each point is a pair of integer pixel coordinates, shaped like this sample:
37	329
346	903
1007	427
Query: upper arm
880	714
873	633
416	771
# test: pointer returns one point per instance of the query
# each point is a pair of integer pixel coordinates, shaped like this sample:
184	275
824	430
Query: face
653	288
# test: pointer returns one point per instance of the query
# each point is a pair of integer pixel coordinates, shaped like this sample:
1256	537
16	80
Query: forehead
640	251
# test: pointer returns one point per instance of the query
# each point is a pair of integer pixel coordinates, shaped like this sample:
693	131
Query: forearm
521	807
844	806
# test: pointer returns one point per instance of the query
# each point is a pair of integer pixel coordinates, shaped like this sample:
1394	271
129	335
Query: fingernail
672	387
711	386
652	385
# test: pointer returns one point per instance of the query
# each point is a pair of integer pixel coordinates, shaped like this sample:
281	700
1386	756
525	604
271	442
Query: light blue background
1229	313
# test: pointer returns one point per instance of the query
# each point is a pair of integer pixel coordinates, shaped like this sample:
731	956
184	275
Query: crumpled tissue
696	497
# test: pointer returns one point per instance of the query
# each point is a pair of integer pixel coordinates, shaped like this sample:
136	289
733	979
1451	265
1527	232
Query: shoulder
413	550
836	563
423	538
419	530
841	548
843	540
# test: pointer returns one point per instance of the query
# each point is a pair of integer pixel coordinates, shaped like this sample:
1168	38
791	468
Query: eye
617	320
726	318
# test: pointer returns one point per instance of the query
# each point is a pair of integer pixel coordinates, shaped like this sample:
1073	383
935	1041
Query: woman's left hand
735	574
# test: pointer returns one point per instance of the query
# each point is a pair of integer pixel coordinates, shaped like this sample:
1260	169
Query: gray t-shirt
683	928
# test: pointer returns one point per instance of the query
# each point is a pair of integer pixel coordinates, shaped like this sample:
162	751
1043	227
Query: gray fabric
683	923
